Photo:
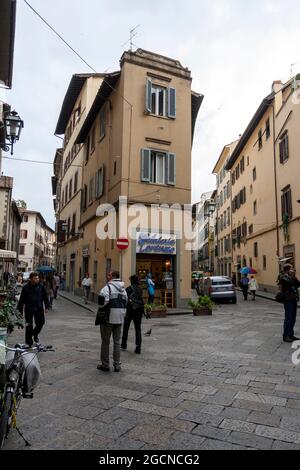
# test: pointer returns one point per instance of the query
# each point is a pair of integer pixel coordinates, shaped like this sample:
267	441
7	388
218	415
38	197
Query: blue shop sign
156	244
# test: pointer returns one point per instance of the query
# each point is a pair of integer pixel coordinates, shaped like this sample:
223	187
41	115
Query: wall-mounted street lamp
209	208
13	125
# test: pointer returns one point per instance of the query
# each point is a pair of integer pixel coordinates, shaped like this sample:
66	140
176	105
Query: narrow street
226	382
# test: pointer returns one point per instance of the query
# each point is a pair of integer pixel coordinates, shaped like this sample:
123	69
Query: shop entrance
163	270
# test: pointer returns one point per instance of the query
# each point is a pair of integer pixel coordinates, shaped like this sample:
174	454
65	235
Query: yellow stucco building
133	139
265	179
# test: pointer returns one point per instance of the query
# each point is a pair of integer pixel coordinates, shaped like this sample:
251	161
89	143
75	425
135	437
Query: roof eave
249	130
7	42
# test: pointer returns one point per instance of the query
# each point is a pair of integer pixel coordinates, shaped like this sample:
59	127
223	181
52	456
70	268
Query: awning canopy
7	255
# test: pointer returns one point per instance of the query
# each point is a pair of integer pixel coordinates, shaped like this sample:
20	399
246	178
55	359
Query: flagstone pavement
220	382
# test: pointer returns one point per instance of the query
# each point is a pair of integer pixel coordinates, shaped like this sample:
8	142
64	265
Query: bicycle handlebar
23	350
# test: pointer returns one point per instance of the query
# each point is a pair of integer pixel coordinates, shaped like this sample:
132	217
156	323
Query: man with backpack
135	311
115	298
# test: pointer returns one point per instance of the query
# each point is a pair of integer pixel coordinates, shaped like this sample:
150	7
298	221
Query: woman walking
135	311
253	287
151	288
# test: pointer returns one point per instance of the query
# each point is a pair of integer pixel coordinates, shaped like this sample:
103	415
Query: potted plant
9	318
156	311
203	306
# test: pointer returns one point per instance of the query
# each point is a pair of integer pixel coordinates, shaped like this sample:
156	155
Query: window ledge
166	118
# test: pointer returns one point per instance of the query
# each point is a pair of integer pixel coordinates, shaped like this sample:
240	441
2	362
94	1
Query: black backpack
135	299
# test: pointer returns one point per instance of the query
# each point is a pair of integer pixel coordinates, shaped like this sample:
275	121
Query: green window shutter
171	169
172	103
145	165
101	182
148	103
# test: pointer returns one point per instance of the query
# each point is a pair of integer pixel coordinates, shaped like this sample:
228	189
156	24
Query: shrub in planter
203	306
156	311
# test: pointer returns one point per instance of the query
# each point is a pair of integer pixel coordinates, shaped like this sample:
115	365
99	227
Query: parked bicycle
21	375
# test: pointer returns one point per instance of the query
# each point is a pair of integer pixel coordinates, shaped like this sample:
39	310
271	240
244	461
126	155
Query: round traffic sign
122	243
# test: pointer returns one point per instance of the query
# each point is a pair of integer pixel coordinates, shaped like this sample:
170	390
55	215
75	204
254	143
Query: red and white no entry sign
122	243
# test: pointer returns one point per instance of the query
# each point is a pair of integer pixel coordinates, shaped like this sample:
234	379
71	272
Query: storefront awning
6	255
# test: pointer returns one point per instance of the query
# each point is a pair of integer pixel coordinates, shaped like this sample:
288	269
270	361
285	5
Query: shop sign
156	243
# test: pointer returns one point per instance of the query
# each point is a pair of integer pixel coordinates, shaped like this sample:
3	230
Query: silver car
217	288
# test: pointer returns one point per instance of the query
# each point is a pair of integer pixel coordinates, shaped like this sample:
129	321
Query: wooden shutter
281	147
145	165
171	169
289	204
99	182
148	103
172	103
283	209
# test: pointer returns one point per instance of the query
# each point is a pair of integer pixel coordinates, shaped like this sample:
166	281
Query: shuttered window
158	167
160	101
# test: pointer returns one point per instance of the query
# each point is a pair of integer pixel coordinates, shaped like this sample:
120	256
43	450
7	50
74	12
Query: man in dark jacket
34	298
135	312
289	285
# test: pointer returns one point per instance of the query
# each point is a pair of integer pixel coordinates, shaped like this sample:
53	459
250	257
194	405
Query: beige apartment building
265	175
67	181
223	245
37	245
136	142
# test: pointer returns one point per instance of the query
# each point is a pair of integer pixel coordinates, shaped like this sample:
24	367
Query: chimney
276	85
277	89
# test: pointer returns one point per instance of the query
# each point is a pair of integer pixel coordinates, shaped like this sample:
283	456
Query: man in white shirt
115	297
87	284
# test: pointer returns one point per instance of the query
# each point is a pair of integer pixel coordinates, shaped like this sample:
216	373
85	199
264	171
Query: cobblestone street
226	382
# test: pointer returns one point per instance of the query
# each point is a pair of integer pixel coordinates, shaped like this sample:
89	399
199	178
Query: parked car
196	276
217	288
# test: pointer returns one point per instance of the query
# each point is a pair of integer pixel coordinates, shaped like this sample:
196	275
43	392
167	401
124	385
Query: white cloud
234	49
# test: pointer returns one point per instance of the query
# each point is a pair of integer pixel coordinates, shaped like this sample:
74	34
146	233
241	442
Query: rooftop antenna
293	65
133	33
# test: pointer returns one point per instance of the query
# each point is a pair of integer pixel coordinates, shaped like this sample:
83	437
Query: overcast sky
234	49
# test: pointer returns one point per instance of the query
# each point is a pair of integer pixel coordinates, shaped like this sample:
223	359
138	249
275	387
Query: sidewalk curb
76	303
94	312
262	296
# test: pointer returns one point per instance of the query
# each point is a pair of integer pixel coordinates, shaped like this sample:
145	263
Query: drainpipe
275	185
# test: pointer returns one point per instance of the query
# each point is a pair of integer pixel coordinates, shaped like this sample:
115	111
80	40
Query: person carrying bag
111	317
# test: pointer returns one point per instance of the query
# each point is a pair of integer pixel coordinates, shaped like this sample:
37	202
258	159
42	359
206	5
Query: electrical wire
75	52
36	161
60	37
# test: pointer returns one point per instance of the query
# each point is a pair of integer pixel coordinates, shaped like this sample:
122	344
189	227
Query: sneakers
124	347
137	350
117	368
294	338
104	369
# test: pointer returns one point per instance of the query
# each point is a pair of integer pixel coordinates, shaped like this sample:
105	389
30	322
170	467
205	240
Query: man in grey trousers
115	294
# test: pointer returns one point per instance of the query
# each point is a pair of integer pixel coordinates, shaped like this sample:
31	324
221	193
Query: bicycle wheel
4	416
